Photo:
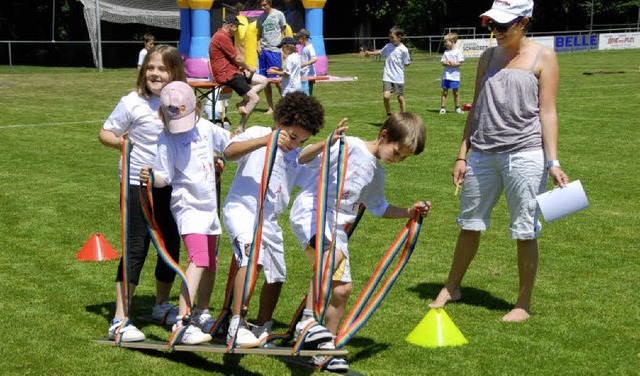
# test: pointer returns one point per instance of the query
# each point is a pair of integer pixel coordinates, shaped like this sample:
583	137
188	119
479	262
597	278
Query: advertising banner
567	43
619	41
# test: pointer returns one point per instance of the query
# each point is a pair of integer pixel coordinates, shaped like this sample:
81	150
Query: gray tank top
506	116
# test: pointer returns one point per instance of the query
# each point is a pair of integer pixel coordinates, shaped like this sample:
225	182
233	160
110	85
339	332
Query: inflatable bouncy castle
195	34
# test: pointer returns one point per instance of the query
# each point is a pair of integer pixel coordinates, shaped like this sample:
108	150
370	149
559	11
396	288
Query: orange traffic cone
97	248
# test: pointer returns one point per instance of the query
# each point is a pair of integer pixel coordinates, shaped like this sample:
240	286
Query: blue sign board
567	43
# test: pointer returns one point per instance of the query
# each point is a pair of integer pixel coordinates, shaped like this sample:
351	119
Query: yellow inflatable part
242	29
183	4
201	4
251	45
313	4
288	32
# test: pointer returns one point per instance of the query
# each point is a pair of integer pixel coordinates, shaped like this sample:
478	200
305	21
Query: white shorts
271	257
522	176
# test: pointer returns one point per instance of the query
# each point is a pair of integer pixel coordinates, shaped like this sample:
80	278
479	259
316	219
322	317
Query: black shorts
240	83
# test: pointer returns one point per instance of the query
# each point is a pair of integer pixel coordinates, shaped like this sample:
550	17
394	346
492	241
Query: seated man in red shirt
229	68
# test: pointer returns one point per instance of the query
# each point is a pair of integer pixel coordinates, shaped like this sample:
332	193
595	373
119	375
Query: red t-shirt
222	53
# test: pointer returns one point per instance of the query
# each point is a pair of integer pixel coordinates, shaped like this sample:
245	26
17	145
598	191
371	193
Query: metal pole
10	62
98	37
53	20
591	24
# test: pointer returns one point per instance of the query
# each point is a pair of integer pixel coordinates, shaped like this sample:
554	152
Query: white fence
472	45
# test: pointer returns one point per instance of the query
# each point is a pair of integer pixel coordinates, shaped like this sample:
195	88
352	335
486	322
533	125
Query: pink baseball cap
178	105
504	11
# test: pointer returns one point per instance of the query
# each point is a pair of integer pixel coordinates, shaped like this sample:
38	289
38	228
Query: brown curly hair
299	109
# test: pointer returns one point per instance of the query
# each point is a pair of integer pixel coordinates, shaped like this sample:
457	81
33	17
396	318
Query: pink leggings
202	250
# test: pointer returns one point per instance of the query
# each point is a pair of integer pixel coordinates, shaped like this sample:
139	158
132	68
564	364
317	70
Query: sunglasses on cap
502	27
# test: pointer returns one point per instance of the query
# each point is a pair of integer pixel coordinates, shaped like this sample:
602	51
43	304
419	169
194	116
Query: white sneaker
165	313
262	332
244	338
331	364
193	335
204	321
227	124
129	333
443	111
315	336
459	110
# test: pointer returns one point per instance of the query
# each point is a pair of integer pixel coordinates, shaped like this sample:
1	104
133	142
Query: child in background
298	117
403	134
185	160
291	72
136	115
149	42
396	58
308	58
451	61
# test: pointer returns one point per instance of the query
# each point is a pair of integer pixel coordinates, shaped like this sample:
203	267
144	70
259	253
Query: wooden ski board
215	348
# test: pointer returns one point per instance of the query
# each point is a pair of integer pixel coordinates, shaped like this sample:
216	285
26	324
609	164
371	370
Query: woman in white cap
509	144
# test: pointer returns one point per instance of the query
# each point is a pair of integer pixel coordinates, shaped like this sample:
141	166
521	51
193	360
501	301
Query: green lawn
59	185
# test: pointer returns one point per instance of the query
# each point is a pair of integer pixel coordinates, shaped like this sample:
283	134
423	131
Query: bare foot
269	111
241	109
516	315
239	129
445	297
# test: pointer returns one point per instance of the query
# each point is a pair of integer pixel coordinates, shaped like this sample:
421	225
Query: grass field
59	185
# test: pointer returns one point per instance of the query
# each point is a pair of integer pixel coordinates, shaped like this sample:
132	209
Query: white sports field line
49	124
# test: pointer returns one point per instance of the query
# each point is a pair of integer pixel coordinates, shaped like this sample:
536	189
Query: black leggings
139	238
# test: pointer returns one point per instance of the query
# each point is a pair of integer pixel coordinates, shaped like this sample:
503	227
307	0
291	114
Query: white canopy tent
159	13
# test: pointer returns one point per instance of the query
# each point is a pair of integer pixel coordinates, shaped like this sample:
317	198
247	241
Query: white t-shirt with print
291	82
308	53
138	116
185	161
452	73
396	59
364	183
141	55
241	203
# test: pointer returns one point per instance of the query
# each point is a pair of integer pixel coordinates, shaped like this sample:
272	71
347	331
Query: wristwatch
553	163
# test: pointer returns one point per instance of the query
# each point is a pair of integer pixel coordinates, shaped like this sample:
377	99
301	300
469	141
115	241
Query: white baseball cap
504	11
178	105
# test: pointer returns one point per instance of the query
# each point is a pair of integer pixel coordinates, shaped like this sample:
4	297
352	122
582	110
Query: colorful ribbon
125	163
254	252
362	310
158	242
322	271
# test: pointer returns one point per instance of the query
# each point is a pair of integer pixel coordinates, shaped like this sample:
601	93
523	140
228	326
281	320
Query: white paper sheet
560	202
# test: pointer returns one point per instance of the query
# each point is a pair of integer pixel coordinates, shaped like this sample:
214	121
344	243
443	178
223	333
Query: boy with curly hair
298	117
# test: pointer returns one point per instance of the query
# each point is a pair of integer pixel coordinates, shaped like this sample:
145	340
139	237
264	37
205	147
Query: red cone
97	248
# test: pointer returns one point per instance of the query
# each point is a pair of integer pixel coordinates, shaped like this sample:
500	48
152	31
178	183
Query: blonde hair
172	61
406	128
452	37
289	48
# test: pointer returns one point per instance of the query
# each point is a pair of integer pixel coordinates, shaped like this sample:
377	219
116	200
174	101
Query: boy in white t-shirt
403	134
397	57
308	58
290	73
149	42
451	61
185	160
298	117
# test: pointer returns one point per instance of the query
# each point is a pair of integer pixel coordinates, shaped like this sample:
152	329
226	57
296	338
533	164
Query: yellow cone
436	330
